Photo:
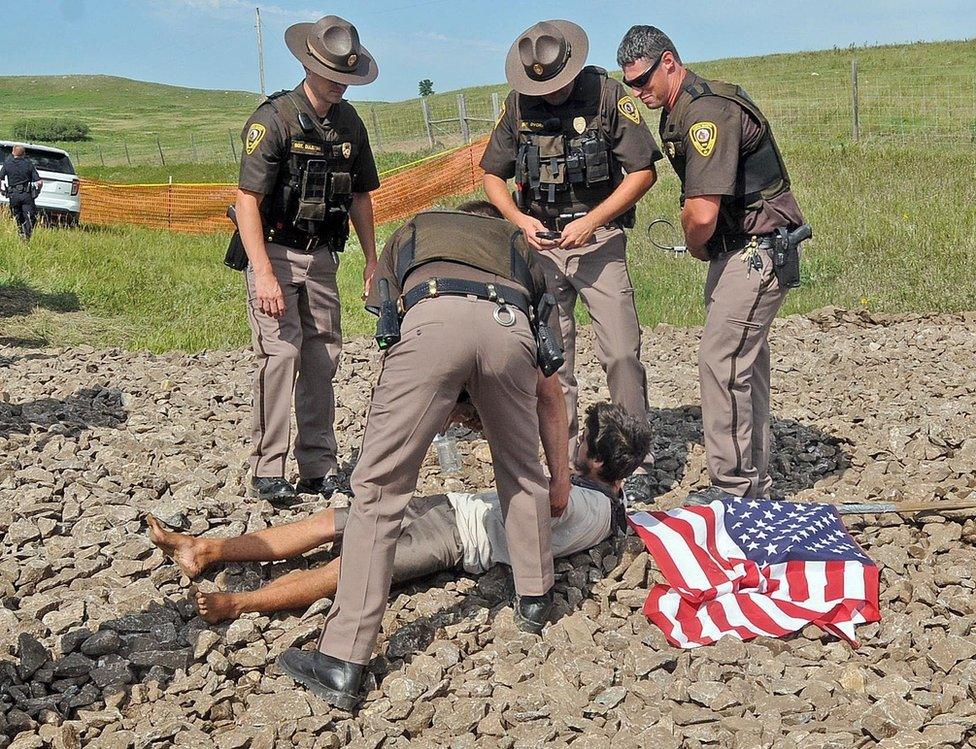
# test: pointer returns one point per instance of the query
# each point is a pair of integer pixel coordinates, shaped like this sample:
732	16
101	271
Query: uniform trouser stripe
737	471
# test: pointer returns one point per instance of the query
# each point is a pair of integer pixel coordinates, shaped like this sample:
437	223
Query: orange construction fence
201	208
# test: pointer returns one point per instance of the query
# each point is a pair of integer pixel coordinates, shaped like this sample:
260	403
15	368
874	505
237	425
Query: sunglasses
641	80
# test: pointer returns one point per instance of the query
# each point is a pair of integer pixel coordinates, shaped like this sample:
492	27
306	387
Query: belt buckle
432	288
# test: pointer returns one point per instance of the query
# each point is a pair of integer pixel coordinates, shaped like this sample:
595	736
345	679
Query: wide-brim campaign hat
330	48
546	57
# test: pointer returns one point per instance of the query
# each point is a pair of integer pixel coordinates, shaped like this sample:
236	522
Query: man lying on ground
440	532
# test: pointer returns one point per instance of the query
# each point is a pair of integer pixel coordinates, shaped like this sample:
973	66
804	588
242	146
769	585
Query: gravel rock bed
100	645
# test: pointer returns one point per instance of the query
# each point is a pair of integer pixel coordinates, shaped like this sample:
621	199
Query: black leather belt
735	242
300	242
492	292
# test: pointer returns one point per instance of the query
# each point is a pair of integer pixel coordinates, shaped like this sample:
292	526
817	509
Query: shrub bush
50	129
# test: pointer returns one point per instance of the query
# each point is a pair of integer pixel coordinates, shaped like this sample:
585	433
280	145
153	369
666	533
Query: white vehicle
59	201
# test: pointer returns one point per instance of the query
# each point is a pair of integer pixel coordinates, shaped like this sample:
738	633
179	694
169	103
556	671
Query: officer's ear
668	61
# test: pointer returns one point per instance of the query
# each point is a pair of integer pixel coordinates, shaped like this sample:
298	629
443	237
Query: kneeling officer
468	288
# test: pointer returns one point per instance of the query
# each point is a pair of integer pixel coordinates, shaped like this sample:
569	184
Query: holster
550	355
786	254
236	257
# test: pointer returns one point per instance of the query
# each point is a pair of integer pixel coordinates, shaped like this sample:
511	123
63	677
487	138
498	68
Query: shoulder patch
255	134
703	136
627	107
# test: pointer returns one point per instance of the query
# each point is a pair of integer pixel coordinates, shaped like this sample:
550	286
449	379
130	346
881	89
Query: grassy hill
924	90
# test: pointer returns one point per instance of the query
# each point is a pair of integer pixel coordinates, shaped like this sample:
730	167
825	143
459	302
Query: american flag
744	567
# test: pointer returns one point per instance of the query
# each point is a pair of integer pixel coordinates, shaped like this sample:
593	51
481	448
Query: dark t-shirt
386	268
735	132
632	143
18	171
265	148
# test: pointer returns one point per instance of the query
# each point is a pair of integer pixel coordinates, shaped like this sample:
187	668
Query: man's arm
270	299
698	219
628	192
554	433
361	215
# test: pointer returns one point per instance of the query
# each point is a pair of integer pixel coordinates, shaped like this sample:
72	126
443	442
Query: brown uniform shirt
632	143
386	268
266	144
716	174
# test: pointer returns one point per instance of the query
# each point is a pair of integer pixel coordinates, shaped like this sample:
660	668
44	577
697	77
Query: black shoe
707	495
639	488
337	682
325	486
275	489
532	612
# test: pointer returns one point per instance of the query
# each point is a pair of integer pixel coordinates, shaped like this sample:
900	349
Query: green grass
895	231
925	90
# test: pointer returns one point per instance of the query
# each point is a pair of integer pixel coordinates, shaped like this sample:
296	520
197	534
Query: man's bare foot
185	550
215	608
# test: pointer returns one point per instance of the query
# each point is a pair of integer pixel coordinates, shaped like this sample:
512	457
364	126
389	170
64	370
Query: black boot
275	489
707	495
532	612
335	681
639	488
324	486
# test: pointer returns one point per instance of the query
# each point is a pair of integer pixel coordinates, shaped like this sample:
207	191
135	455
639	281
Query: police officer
467	284
306	170
735	193
22	184
581	157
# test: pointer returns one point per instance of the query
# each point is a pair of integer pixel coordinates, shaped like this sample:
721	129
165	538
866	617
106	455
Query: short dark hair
616	438
480	207
648	42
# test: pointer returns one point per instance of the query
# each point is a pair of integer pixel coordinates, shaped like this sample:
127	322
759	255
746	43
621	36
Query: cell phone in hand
552	236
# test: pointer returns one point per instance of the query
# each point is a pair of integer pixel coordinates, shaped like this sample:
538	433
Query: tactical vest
309	203
468	239
761	174
564	163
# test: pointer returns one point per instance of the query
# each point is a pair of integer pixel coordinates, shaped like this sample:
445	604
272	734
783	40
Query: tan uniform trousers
448	344
733	366
597	273
302	345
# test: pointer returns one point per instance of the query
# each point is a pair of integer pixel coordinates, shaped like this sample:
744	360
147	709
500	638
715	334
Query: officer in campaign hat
306	170
471	301
573	140
737	212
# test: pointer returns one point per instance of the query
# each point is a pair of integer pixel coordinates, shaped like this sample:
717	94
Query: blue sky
456	43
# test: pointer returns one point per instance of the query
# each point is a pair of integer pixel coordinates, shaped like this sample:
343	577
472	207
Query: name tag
301	146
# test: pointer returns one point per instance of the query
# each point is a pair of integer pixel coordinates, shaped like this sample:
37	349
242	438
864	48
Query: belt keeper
432	287
492	294
400	307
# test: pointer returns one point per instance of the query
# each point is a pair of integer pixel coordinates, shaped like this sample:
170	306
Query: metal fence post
125	145
855	103
193	146
463	119
162	159
426	110
495	108
233	149
378	137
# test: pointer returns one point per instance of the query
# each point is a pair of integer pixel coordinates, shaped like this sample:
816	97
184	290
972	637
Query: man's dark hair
480	207
648	42
618	439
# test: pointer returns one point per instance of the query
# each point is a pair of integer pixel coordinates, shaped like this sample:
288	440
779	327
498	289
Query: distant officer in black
736	204
306	170
21	183
581	157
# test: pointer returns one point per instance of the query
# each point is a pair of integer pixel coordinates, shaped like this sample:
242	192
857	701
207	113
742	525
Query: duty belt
295	240
734	242
21	188
503	296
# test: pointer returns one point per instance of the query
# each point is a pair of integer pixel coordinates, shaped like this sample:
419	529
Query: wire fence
842	101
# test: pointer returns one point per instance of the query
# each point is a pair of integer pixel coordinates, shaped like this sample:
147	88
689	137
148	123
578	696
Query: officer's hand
577	233
699	253
368	272
529	226
268	293
558	497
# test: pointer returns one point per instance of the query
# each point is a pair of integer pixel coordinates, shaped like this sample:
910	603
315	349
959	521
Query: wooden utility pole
257	15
